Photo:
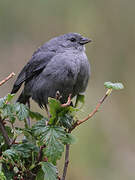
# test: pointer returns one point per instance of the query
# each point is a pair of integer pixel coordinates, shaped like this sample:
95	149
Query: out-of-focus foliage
108	149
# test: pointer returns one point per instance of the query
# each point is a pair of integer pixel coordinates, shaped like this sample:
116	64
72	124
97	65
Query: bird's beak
85	41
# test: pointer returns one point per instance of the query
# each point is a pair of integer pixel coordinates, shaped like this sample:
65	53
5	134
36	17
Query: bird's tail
23	98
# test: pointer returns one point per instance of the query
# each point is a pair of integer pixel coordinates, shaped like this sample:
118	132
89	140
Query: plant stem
7	78
66	162
77	123
4	133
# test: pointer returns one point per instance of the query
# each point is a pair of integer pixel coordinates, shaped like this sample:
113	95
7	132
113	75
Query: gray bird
59	65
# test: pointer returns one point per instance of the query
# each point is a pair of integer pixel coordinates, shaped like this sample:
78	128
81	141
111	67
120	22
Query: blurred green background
106	148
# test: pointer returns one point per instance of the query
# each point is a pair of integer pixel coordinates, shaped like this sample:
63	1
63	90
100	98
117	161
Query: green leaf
35	115
10	154
59	113
7	111
40	175
116	86
22	111
25	149
80	99
20	151
9	131
70	139
6	99
9	97
39	127
55	108
49	170
2	103
54	149
2	176
66	120
53	137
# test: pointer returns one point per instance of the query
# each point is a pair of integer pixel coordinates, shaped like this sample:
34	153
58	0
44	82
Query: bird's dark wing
37	63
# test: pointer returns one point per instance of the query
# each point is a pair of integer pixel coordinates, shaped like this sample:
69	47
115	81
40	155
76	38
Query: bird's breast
83	73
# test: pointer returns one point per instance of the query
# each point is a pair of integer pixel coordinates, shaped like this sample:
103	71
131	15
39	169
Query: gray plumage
59	65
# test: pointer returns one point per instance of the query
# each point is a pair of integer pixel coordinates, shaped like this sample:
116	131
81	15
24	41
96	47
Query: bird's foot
47	112
68	103
58	96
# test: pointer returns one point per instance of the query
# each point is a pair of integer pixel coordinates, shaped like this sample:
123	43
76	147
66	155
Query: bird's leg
58	96
28	102
47	111
68	103
28	118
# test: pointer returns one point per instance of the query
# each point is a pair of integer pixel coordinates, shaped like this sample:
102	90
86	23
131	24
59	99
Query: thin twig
77	123
7	78
4	133
66	162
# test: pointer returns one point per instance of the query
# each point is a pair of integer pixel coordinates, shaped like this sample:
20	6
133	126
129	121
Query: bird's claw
68	102
58	96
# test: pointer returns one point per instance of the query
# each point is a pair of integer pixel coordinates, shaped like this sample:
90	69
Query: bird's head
70	41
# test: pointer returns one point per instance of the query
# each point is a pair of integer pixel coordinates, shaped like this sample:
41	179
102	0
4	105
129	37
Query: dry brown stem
7	78
77	123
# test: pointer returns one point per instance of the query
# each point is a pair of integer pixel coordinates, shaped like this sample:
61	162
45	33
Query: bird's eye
72	39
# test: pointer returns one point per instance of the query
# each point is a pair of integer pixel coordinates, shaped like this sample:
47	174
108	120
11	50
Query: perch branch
68	102
66	162
7	78
77	123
